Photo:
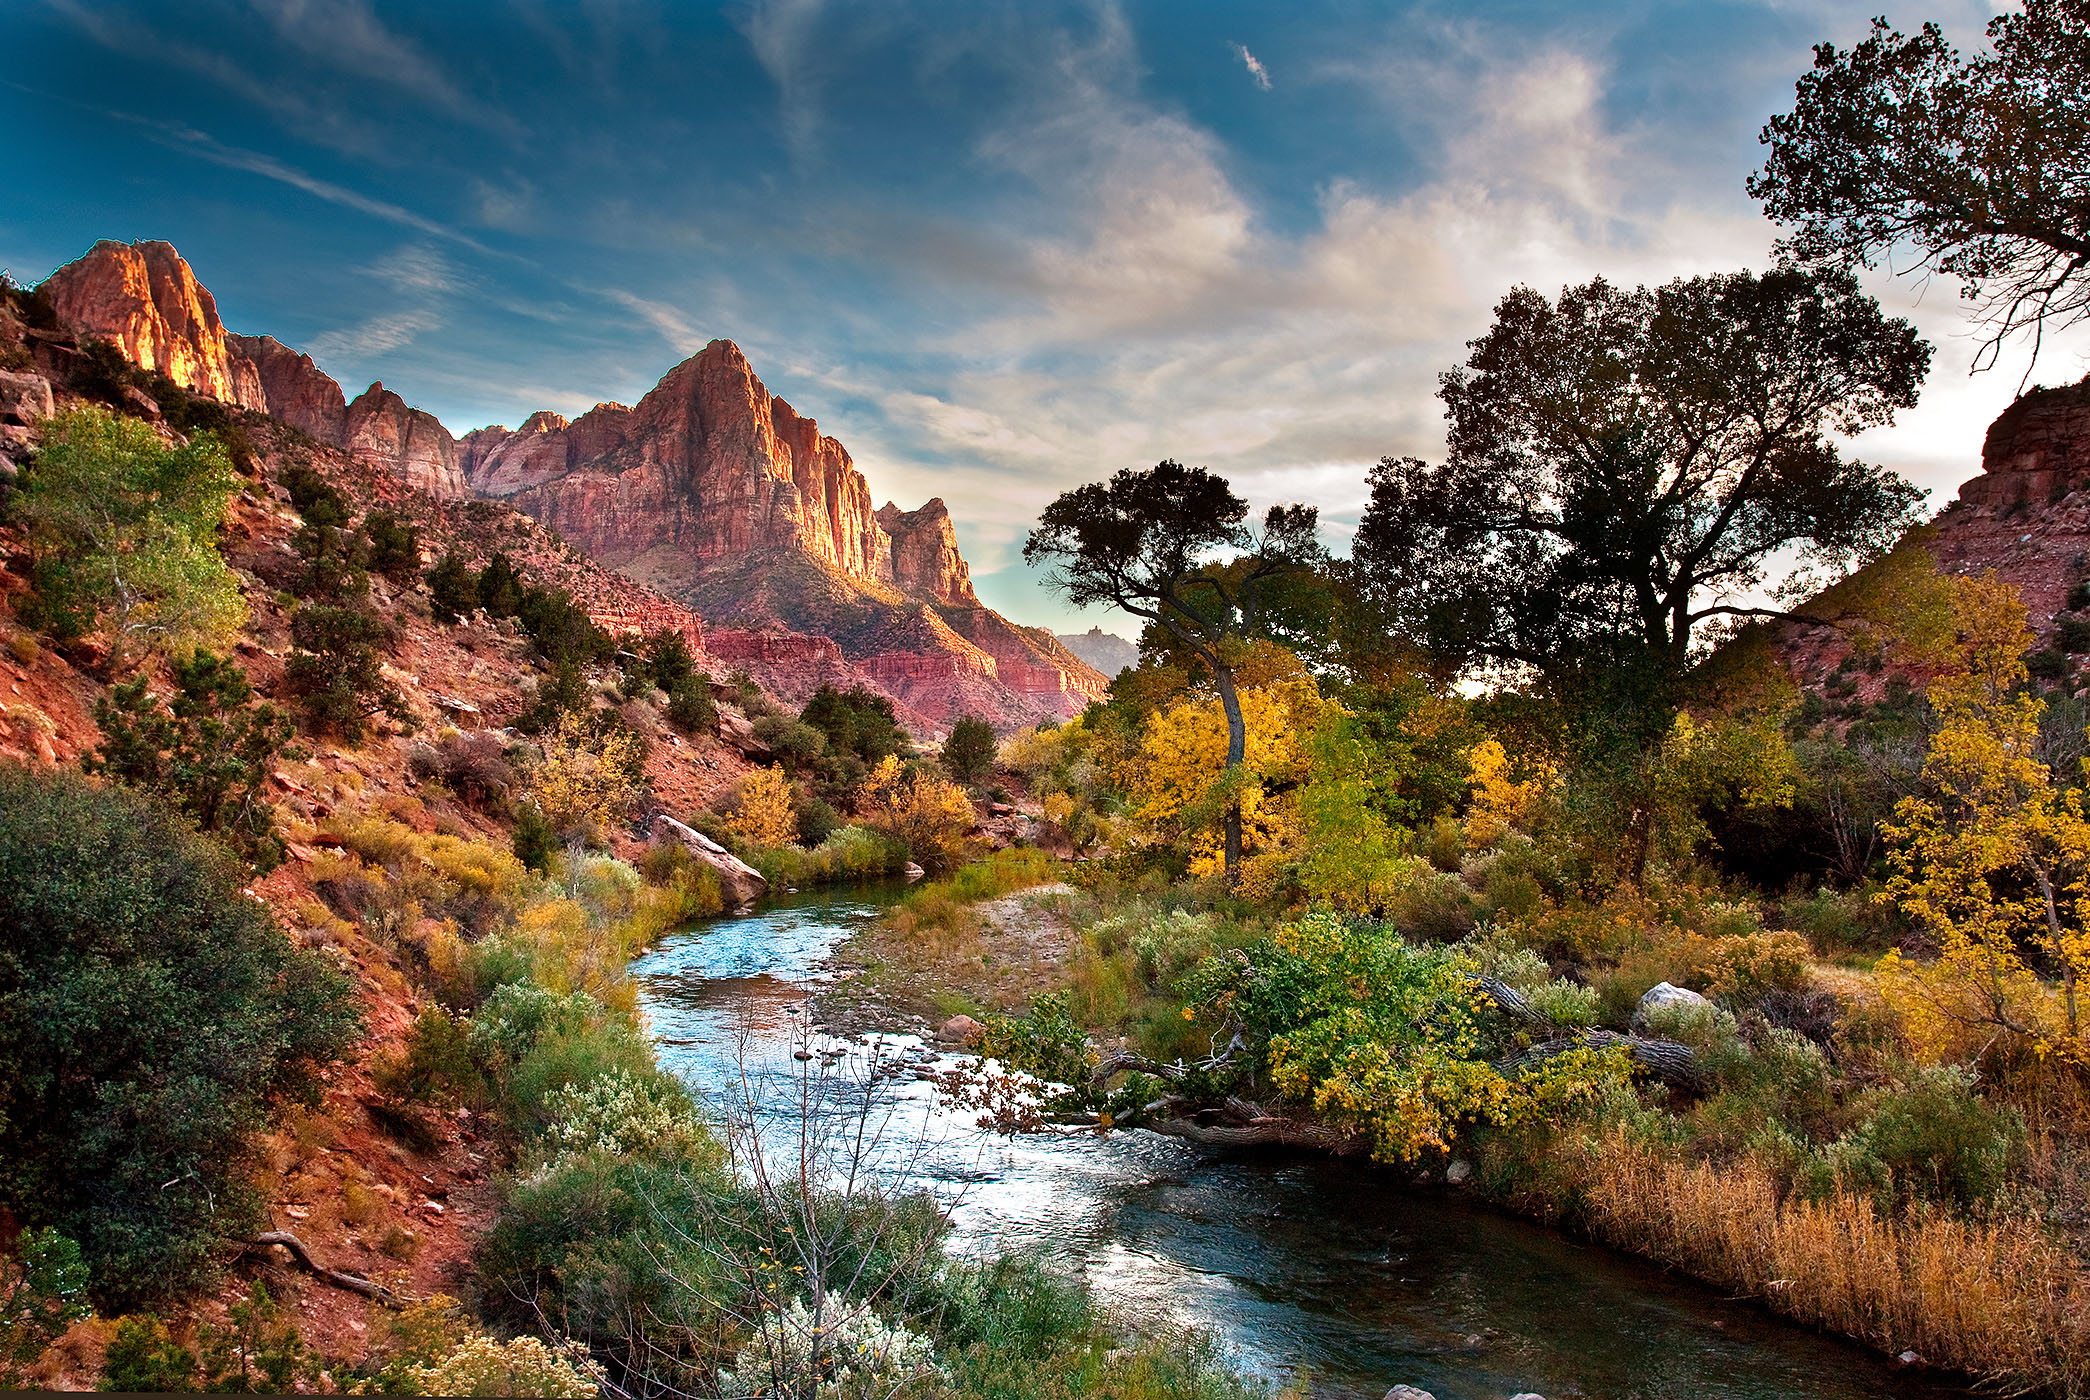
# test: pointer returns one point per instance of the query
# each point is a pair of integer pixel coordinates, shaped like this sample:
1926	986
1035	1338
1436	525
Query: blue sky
996	249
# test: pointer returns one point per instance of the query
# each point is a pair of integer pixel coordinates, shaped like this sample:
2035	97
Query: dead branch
354	1283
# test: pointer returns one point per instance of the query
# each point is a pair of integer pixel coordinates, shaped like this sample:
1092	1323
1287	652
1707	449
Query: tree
1141	541
1626	465
149	1013
453	589
336	670
931	816
394	546
43	1292
587	778
761	810
209	753
119	522
856	721
968	755
1978	166
1993	857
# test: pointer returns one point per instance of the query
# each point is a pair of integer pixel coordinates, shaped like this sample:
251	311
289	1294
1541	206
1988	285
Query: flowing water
1300	1265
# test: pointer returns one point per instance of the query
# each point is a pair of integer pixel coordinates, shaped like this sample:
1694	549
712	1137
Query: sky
997	249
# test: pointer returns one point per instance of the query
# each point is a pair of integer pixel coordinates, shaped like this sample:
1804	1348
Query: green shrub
143	1359
149	1012
335	671
393	546
43	1291
857	722
692	710
968	755
1932	1139
210	754
453	589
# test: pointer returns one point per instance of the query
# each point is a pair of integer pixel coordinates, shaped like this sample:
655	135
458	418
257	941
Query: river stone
1527	1395
912	872
961	1030
1661	996
741	882
1408	1392
1458	1173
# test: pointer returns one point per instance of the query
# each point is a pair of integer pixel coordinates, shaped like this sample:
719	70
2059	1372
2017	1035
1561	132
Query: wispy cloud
673	326
375	336
1254	65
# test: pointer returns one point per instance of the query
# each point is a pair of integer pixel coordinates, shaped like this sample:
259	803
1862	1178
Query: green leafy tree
666	661
335	670
209	753
43	1291
453	589
142	1359
857	722
393	546
1977	168
149	1013
968	755
121	524
1140	542
500	587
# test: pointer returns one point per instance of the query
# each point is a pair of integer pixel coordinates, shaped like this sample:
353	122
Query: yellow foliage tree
1995	856
1179	779
1499	801
761	814
585	782
930	815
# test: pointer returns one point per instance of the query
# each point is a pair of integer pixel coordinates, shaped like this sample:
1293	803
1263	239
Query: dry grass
2000	1299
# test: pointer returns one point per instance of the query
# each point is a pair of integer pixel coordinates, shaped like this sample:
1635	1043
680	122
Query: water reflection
1301	1264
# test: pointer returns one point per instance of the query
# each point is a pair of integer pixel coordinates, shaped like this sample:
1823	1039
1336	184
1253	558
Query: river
1300	1265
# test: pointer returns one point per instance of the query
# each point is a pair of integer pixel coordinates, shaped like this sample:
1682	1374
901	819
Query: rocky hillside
710	490
2027	518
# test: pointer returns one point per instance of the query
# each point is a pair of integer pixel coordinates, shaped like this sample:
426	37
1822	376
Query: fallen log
1670	1061
1242	1124
354	1283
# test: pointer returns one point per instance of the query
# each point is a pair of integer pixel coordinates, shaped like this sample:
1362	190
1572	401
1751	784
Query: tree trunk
1236	752
2053	925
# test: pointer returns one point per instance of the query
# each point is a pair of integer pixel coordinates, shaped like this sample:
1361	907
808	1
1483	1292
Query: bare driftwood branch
1239	1123
1131	1061
1670	1061
354	1283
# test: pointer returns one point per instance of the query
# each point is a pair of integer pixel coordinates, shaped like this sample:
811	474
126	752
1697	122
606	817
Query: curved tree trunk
1236	753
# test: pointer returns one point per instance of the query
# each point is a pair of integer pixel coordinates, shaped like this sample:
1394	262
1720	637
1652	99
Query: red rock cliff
926	561
383	431
143	297
298	392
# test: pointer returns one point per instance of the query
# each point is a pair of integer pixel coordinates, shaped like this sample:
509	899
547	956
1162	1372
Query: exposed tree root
354	1283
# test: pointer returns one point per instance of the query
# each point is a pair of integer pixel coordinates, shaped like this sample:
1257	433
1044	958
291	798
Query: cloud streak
1256	71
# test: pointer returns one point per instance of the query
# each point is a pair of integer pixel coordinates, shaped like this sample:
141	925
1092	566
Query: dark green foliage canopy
857	722
453	589
968	755
149	1011
209	754
1976	168
393	546
335	670
1624	465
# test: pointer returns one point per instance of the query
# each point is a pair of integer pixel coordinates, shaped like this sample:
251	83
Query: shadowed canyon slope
710	490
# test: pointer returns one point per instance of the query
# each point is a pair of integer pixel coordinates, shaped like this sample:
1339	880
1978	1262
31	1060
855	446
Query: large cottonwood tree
1976	168
1626	465
1145	541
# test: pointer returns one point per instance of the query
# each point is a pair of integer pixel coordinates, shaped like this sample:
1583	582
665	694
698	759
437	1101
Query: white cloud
375	336
1254	65
672	325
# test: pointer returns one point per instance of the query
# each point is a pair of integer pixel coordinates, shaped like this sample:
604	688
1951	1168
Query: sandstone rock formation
143	298
384	432
716	492
296	391
926	562
2026	516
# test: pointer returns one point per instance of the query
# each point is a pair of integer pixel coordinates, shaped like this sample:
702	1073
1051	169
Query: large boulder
1409	1392
740	882
25	398
1661	997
